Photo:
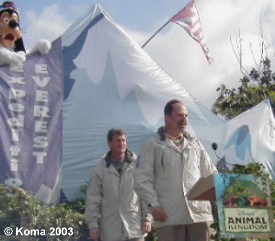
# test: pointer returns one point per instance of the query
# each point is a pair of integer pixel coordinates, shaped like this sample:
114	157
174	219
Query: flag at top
189	19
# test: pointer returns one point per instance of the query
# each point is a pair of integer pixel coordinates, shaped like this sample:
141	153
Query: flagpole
155	34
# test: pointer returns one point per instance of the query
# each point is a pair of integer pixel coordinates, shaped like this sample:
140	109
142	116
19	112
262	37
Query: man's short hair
168	109
115	131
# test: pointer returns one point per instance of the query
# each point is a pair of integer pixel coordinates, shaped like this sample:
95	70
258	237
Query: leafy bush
20	209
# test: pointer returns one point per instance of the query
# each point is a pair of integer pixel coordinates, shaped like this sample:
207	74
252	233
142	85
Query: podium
243	204
203	190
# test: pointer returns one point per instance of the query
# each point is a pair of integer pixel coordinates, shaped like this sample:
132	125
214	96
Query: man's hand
94	234
146	226
159	214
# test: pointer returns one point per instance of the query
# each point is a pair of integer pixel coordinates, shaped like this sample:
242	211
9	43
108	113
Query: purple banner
31	123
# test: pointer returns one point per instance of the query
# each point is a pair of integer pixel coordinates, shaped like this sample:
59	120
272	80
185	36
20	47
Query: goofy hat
10	33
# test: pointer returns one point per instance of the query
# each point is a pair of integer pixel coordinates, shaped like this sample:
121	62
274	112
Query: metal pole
155	34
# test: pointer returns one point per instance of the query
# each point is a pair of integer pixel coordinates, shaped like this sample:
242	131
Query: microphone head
214	146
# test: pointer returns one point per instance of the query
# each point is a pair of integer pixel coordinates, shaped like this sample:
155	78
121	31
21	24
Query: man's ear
166	118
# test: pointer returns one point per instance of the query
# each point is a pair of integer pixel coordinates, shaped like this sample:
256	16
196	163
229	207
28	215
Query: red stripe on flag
189	19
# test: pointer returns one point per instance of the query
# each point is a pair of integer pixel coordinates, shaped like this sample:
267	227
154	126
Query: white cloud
48	24
183	58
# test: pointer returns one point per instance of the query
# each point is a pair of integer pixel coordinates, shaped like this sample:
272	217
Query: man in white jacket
113	210
169	165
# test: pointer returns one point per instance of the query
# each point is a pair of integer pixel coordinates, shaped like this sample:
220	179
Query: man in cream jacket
113	210
169	165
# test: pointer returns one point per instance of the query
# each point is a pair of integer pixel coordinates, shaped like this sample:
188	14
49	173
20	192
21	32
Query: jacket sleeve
144	175
146	212
94	198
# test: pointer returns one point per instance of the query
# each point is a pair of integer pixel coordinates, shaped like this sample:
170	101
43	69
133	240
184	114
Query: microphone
222	160
214	146
221	163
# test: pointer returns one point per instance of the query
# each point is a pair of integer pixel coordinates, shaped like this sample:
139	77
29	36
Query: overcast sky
173	49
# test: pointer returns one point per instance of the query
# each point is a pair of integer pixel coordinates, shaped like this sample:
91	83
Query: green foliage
20	209
152	236
255	87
